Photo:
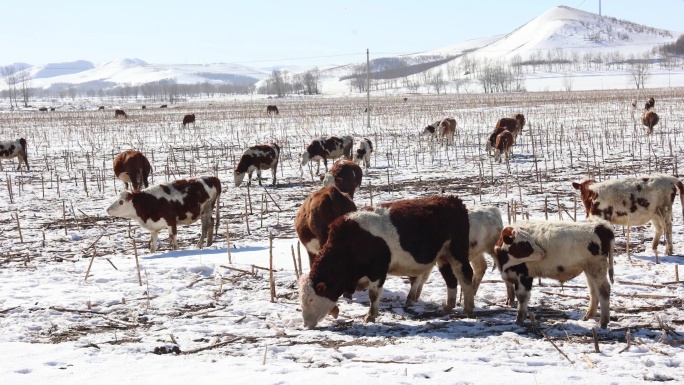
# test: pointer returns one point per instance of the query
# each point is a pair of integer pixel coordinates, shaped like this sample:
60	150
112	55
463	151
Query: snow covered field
207	320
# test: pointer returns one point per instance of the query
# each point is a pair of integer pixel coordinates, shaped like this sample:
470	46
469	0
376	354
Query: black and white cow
363	152
259	157
326	148
15	149
403	238
167	205
561	250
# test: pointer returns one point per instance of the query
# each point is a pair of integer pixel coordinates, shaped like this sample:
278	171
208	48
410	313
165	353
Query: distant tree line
283	82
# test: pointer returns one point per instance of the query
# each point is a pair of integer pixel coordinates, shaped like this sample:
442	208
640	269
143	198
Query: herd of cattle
354	249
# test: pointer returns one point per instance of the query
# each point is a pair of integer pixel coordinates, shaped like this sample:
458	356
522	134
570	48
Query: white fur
314	306
238	177
328	180
336	153
364	146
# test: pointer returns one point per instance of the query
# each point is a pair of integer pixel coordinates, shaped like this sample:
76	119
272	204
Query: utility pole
600	8
368	84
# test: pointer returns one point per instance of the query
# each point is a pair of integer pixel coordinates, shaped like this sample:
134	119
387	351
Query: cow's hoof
369	318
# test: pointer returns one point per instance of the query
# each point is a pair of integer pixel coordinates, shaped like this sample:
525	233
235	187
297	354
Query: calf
15	149
404	238
272	109
187	119
634	202
131	166
431	129
447	129
504	144
326	148
491	140
344	174
649	119
316	214
558	250
121	113
363	152
259	157
168	205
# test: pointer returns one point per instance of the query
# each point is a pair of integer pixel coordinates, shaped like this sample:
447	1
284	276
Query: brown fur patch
348	176
136	165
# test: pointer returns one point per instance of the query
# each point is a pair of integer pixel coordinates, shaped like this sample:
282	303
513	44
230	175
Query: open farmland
53	221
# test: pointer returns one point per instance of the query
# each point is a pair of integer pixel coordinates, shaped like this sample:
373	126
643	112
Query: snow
57	327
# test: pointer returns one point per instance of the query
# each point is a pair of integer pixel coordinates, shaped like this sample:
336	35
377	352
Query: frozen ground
206	320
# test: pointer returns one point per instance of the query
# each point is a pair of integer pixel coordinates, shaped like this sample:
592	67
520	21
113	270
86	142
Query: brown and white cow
403	238
316	214
15	149
344	174
131	166
187	119
363	152
326	148
504	145
634	202
121	113
447	129
649	119
560	250
259	157
167	205
513	124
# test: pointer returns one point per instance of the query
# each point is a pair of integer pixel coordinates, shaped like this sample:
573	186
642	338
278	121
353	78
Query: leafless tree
640	71
9	74
24	80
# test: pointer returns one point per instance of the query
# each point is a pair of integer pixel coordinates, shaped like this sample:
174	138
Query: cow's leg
510	294
25	158
274	172
154	234
325	163
603	288
259	175
451	282
416	288
206	226
593	295
479	266
318	166
374	294
249	178
522	290
173	231
666	226
464	274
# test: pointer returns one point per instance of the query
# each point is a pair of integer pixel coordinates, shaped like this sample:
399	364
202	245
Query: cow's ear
320	288
576	185
508	239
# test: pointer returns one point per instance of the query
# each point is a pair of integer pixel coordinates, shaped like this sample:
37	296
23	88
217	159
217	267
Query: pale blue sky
265	33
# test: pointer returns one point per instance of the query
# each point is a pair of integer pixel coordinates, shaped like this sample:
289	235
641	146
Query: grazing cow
259	157
650	103
52	108
363	152
121	113
431	129
514	124
316	214
15	149
504	144
168	205
143	107
649	119
187	119
558	250
491	140
163	106
100	108
405	99
131	166
344	174
447	129
43	109
272	109
403	238
326	148
634	202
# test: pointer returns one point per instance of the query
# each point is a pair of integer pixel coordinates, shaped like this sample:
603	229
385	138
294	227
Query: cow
560	250
316	214
143	107
163	106
259	157
131	166
101	108
405	99
326	148
491	140
363	152
272	109
15	149
187	119
344	174
167	205
447	129
634	202
43	109
403	238
650	103
513	124
121	113
431	129
52	108
649	119
504	145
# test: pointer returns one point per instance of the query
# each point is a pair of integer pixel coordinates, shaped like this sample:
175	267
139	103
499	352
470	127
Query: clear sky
263	33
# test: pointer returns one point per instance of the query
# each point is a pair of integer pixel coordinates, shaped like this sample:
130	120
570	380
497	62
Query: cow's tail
22	141
611	272
680	186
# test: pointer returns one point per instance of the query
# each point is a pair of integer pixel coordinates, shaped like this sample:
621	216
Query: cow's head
330	180
315	304
238	177
586	194
305	158
123	207
516	246
429	130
